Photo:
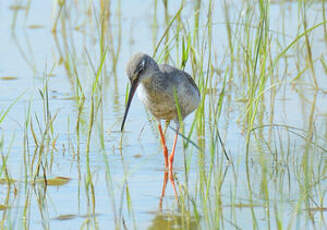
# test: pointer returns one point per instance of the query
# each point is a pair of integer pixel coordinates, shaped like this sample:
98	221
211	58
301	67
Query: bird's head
139	69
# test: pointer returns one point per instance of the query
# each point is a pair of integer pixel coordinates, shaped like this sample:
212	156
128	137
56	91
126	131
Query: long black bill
130	97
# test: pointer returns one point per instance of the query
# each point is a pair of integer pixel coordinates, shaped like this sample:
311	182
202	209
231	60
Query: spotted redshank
166	91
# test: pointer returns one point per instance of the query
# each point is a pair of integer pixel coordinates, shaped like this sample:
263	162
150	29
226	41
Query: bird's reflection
164	185
174	221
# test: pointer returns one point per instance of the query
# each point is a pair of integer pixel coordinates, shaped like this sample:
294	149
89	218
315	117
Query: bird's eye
140	67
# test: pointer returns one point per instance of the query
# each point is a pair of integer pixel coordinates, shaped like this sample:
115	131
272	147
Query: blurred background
253	155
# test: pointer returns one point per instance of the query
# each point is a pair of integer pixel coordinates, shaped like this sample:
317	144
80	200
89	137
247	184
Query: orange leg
171	161
168	163
171	157
172	181
163	191
163	144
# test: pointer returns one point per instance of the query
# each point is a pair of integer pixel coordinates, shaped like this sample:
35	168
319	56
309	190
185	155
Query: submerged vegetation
252	156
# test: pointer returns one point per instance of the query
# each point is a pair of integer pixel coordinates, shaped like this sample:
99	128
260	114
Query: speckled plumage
156	87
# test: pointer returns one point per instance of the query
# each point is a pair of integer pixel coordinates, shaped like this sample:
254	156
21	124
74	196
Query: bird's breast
159	103
160	98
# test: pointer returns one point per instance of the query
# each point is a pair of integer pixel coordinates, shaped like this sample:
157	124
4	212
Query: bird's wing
165	68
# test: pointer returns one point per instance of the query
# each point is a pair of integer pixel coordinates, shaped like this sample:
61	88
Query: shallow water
117	183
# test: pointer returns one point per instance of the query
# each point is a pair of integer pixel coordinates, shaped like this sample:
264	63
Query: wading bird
169	94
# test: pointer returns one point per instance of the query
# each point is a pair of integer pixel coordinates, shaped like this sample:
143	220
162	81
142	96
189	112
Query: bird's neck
151	79
150	83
